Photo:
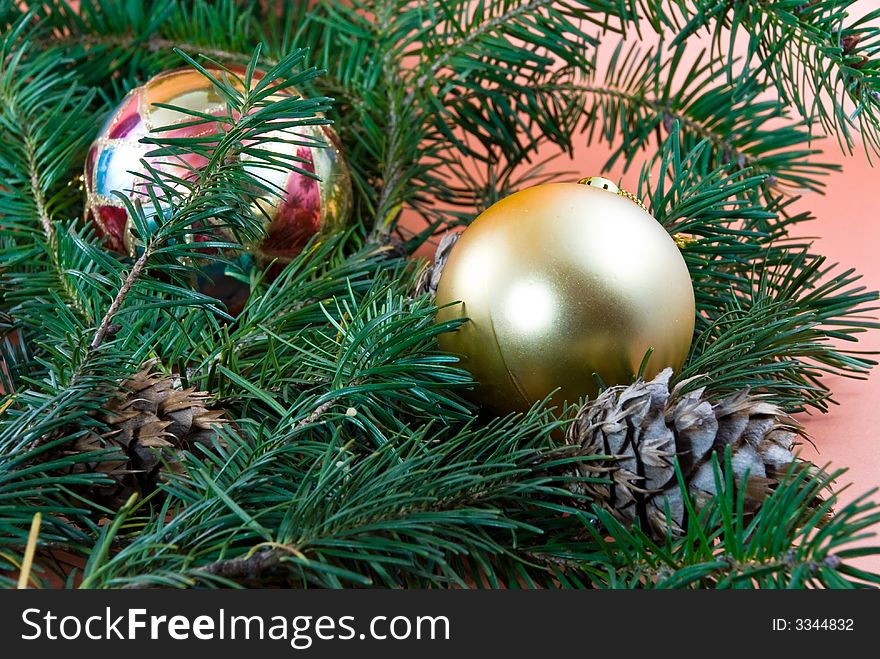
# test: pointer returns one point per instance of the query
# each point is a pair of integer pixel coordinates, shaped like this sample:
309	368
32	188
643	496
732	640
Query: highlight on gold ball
562	283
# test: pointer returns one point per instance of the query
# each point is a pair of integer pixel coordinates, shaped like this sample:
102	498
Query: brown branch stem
315	415
133	275
248	567
29	149
153	45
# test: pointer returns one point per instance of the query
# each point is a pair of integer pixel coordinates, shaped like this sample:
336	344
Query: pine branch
252	567
768	309
396	531
37	193
815	54
83	363
355	462
723	552
397	519
40	121
634	108
478	31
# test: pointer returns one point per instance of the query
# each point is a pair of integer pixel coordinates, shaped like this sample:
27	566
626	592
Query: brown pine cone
150	423
643	427
430	276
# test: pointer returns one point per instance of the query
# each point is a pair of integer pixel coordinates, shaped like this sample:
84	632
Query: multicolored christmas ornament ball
307	206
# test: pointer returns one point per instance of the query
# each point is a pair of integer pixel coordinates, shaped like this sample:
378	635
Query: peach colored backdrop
849	233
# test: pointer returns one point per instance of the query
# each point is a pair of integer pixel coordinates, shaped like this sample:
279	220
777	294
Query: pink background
848	231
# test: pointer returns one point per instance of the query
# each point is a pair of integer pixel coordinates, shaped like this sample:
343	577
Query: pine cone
644	427
430	277
150	422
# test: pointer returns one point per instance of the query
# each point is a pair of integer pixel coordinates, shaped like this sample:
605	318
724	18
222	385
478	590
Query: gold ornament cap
600	182
605	184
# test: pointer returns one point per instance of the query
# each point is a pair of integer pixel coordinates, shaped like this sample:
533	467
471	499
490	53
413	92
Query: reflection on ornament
306	207
562	281
531	307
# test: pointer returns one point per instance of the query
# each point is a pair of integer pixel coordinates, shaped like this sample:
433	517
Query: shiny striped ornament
114	163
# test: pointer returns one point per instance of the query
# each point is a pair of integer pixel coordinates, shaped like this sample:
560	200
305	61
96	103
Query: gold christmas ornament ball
560	281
